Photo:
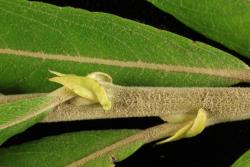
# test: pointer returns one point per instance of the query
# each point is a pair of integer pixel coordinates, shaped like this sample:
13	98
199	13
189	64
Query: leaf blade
18	116
59	38
243	161
226	22
71	146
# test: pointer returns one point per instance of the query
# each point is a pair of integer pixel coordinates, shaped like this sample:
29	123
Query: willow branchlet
192	108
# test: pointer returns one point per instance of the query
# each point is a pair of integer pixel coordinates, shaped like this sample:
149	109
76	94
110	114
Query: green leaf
225	21
68	149
243	161
18	116
36	37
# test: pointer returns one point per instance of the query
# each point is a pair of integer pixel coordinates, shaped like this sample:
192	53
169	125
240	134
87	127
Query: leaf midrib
237	74
106	150
145	136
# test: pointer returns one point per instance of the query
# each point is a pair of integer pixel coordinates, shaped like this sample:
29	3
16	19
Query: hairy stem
221	104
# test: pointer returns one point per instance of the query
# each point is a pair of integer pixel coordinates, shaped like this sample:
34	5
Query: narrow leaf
243	161
86	148
68	149
225	21
37	37
18	116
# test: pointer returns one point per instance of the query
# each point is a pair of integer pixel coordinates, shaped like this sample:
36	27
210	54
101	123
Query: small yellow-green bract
191	128
86	87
